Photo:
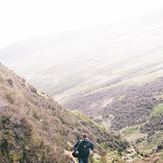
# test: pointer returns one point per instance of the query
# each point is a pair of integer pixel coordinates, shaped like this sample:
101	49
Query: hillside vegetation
134	111
35	128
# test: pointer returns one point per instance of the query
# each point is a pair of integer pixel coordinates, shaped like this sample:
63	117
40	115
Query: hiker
83	149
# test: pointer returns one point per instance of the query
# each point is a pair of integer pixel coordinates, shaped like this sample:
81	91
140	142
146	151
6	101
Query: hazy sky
23	19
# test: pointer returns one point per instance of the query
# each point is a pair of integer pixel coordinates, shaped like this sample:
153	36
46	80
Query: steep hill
35	128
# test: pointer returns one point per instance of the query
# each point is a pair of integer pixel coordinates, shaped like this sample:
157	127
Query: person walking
83	149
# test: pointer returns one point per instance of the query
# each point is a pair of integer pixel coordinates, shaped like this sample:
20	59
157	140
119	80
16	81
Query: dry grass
52	126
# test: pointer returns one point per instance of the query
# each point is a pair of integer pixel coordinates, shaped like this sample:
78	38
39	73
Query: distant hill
35	128
72	64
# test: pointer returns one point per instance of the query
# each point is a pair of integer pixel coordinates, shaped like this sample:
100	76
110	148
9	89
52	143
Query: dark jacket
83	147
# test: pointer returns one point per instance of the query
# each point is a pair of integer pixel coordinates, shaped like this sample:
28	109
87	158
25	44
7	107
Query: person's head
85	137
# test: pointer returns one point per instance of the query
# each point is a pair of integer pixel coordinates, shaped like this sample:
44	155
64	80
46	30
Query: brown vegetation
33	123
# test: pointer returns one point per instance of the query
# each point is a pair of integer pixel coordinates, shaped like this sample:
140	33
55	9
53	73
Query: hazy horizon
33	19
71	63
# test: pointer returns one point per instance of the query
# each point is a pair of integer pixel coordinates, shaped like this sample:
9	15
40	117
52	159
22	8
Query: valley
109	78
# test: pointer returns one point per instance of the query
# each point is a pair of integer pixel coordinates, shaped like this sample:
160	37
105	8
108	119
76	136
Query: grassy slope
43	124
150	140
158	110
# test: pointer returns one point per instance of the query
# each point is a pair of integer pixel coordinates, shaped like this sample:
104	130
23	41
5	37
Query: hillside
136	112
35	128
125	105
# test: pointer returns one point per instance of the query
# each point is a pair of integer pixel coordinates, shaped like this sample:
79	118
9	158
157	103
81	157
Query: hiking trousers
83	160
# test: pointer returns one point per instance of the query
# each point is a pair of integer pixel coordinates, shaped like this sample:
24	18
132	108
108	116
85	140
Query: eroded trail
132	155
